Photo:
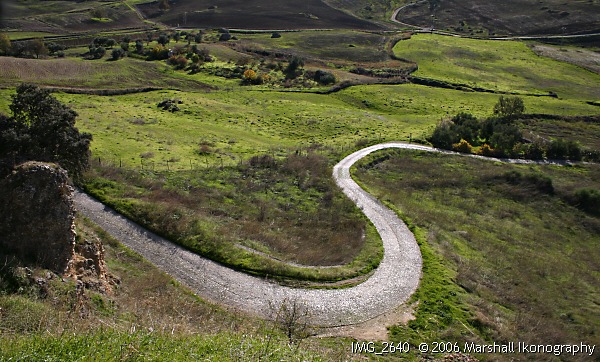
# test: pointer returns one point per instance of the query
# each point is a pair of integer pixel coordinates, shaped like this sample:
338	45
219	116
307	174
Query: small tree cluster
498	133
104	42
96	52
500	136
294	68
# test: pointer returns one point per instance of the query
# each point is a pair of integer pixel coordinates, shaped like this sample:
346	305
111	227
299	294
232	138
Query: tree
505	137
110	43
509	108
4	44
444	135
149	38
467	127
163	39
125	46
139	47
37	48
54	48
293	68
43	129
117	53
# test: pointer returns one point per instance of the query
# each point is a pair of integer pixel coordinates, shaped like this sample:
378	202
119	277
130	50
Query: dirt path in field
392	283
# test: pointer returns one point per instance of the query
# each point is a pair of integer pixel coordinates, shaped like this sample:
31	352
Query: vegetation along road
393	282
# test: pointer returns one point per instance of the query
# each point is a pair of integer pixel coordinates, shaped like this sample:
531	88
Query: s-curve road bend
392	283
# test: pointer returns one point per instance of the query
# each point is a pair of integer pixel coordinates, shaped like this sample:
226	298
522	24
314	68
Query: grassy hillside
523	255
147	317
241	173
506	66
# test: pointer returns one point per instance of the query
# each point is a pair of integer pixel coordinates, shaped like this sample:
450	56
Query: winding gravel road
396	278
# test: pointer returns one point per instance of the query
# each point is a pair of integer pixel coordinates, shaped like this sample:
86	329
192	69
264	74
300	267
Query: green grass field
524	258
505	66
499	256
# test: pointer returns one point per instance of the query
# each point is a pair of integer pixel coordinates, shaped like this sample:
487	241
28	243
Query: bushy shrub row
500	136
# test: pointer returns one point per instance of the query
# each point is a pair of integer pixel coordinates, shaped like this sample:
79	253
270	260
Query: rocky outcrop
89	268
37	215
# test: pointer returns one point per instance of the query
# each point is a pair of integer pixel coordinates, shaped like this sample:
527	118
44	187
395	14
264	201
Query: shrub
178	61
275	35
463	147
158	52
117	54
557	150
486	150
5	44
323	77
444	135
505	137
54	48
535	181
509	108
588	200
225	37
534	151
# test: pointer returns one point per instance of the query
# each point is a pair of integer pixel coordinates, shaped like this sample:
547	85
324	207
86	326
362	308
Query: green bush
588	200
444	135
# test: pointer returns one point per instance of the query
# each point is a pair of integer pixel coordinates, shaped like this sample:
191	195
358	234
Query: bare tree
292	318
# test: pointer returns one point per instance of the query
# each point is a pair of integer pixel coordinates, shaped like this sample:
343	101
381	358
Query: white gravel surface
396	278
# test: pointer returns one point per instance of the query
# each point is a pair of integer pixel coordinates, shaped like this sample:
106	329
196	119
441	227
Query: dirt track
391	285
394	281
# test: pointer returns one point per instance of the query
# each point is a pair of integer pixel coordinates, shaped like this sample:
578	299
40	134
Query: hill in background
254	14
511	17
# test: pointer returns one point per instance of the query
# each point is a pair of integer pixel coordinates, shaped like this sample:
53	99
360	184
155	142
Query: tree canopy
42	129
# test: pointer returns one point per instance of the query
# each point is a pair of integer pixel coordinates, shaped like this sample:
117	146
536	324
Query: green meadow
505	66
514	253
242	174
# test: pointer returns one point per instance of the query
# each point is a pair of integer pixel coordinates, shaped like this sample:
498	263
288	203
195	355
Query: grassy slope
93	74
149	317
507	66
526	260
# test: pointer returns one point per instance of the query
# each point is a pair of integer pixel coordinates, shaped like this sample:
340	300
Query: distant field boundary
106	92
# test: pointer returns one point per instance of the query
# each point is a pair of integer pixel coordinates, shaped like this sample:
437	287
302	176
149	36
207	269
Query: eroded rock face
89	268
37	215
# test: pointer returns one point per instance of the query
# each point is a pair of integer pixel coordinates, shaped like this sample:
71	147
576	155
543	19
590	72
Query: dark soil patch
516	17
254	14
